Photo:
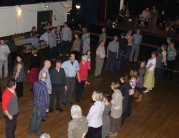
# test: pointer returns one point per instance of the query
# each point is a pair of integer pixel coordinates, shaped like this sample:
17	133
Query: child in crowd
116	109
140	81
94	116
149	75
105	117
88	62
158	66
132	83
125	94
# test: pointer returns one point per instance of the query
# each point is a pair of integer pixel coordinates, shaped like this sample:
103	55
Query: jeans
136	49
35	125
52	53
119	60
76	54
56	92
65	45
11	126
127	53
79	89
58	49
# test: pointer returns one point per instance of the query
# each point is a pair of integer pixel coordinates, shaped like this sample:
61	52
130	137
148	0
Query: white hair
84	57
45	135
76	112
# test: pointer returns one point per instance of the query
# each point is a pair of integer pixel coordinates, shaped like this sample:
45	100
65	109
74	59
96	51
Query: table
32	41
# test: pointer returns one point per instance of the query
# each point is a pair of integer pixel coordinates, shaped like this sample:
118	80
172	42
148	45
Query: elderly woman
81	78
19	75
77	127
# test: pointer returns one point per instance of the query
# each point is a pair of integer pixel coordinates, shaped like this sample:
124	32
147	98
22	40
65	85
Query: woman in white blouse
94	116
149	74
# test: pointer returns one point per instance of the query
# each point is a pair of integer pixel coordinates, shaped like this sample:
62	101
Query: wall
11	23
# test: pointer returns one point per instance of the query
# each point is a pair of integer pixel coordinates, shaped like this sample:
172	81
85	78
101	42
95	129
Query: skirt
115	124
33	75
149	79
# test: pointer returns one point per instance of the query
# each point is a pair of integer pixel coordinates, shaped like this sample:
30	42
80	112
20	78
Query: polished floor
157	116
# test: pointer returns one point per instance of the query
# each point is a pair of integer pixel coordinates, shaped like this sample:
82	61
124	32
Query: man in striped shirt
66	38
58	38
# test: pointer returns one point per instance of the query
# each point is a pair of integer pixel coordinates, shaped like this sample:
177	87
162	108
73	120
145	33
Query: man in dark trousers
10	108
58	78
112	54
41	104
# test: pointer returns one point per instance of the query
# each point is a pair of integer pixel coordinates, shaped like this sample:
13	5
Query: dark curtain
112	9
102	10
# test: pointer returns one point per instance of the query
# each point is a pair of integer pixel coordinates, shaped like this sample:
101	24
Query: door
43	17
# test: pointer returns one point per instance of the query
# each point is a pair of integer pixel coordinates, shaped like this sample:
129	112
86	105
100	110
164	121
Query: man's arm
5	102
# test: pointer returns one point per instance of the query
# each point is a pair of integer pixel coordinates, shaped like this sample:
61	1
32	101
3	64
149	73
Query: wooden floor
156	117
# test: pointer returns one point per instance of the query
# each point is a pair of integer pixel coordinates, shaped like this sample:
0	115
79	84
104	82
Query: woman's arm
150	65
19	67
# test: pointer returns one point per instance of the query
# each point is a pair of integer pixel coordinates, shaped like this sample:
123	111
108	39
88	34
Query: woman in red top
81	78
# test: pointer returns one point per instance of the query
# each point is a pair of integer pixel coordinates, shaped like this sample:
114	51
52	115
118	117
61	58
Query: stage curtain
102	11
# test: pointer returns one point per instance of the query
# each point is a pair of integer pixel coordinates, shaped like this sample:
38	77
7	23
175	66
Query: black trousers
52	53
171	66
56	92
94	132
19	89
110	61
65	45
129	106
76	53
10	126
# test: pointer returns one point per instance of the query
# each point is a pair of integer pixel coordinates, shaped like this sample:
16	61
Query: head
47	64
163	12
147	9
103	30
138	31
154	7
19	58
164	47
172	45
101	43
2	41
123	34
159	51
124	79
129	32
87	34
84	30
76	112
11	84
88	53
168	40
154	54
142	64
115	85
49	24
58	64
52	30
58	28
124	7
133	73
97	96
80	25
45	135
65	24
84	58
76	35
34	51
107	96
115	38
43	76
33	29
72	57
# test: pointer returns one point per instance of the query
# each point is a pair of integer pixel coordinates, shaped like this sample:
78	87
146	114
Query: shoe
66	54
87	83
61	55
77	100
150	89
43	120
65	104
51	110
59	109
146	91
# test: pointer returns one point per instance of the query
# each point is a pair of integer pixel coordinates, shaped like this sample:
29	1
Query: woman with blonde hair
34	67
116	109
132	83
94	116
77	127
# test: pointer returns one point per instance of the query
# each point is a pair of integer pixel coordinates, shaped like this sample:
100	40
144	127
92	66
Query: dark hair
107	95
125	78
66	23
155	53
19	56
77	34
11	83
52	28
101	41
87	52
58	61
123	34
159	51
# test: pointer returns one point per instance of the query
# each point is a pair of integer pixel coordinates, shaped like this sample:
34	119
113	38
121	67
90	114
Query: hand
79	80
66	88
49	92
10	117
107	56
5	54
47	110
28	71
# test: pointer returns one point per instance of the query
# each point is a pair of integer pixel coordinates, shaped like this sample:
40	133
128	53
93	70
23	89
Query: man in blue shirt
41	104
71	67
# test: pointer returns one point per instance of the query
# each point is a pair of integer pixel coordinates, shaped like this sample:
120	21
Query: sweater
57	77
4	48
9	102
52	42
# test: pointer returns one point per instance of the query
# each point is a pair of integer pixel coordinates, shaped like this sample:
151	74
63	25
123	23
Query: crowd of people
108	112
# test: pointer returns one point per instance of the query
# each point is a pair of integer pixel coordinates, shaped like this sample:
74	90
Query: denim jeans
35	125
65	45
52	53
127	53
119	60
79	89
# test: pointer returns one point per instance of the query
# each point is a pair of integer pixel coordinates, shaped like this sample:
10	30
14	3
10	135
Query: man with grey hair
41	104
82	75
